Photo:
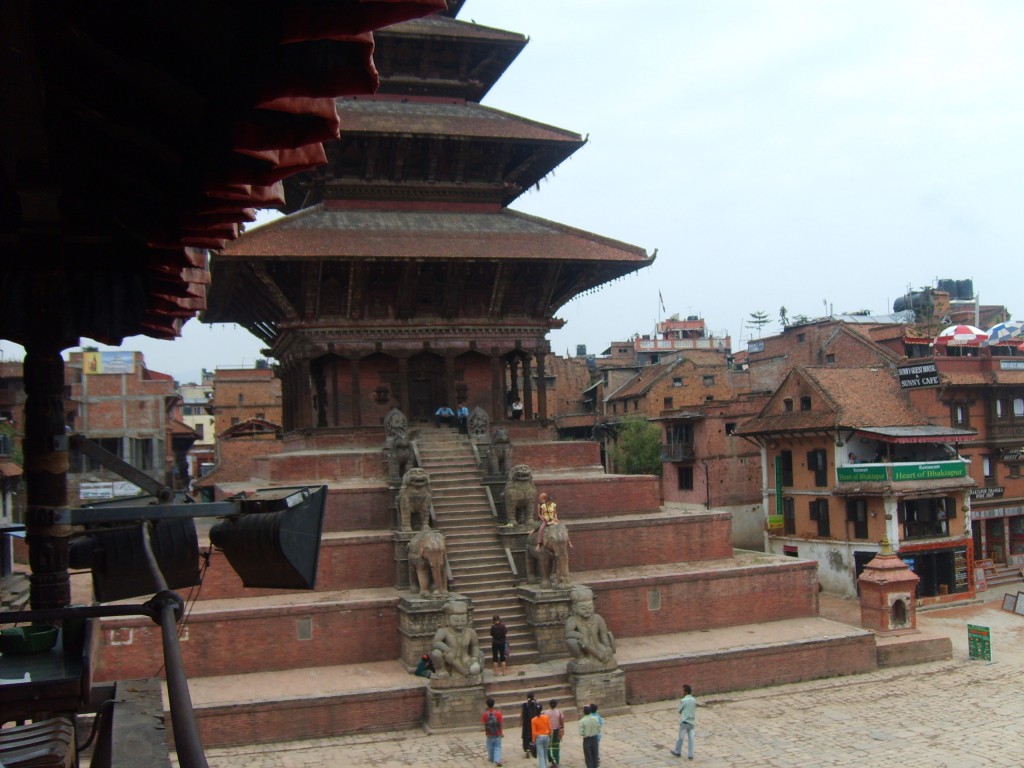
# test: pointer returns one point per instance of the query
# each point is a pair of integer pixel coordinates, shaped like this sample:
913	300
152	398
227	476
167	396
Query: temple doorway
426	385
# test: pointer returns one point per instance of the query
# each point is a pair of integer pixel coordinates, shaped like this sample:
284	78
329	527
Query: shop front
998	533
943	569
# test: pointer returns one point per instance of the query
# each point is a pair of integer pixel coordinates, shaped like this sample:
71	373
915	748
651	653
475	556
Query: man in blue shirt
687	722
463	414
445	414
590	730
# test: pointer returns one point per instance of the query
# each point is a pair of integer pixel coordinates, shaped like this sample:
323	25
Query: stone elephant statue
426	563
415	498
551	561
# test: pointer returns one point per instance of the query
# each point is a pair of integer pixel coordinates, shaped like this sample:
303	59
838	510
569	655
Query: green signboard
979	642
939	470
875	473
776	520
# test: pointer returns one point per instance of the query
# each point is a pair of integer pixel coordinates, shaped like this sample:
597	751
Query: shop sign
1013	454
939	470
868	474
1011	365
987	493
979	642
96	491
914	376
108	362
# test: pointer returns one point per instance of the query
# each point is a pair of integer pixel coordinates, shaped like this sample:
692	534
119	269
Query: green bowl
32	639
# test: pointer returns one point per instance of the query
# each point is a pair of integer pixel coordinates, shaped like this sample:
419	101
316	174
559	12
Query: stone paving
952	714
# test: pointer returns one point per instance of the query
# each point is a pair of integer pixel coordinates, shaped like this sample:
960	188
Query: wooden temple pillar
357	400
542	389
403	377
527	389
498	405
450	395
45	448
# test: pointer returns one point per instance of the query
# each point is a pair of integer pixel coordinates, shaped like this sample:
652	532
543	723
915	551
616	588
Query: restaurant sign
1011	365
914	376
937	471
870	474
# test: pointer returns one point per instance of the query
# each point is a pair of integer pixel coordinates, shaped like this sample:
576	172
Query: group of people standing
543	731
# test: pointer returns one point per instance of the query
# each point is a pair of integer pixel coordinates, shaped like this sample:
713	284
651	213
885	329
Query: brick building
127	409
194	410
241	394
849	461
983	393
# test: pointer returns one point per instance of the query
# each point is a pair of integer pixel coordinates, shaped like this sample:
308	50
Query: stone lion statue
399	455
520	494
501	452
414	499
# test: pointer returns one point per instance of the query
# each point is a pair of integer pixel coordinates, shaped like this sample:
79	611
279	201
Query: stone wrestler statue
456	648
590	642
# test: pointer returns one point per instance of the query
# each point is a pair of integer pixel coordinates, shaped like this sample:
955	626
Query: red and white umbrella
961	336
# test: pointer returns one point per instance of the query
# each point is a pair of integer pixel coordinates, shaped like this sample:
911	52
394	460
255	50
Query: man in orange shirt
541	729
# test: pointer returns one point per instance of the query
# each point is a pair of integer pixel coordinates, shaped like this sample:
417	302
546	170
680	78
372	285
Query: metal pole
169	609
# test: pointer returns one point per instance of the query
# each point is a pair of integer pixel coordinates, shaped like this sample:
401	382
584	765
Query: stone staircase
1001	574
480	566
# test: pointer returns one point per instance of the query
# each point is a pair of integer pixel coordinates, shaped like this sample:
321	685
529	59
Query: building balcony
677	452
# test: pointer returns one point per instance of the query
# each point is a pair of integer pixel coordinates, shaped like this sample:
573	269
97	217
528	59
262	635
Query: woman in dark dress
531	708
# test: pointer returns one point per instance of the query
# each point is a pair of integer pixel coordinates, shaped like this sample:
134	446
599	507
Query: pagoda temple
401	278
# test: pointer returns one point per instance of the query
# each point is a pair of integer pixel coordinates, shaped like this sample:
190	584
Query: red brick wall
351	562
311	718
246	638
287	467
601	495
620	543
705	599
557	455
240	457
745	668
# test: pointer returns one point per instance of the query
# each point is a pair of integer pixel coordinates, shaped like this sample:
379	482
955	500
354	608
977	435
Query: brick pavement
951	714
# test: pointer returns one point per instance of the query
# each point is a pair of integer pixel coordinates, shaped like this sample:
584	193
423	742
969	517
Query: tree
783	316
637	449
758	320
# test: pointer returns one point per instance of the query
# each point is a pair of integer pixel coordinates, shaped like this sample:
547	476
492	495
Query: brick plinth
582	497
250	636
560	456
745	668
649	540
311	718
347	561
661	603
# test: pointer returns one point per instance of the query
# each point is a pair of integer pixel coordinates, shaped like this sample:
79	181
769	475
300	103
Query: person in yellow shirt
547	513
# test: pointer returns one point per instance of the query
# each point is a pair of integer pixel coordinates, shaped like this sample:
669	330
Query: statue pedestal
547	610
606	689
514	539
418	619
401	540
454	702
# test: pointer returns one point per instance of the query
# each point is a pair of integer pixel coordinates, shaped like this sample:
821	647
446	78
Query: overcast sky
808	154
